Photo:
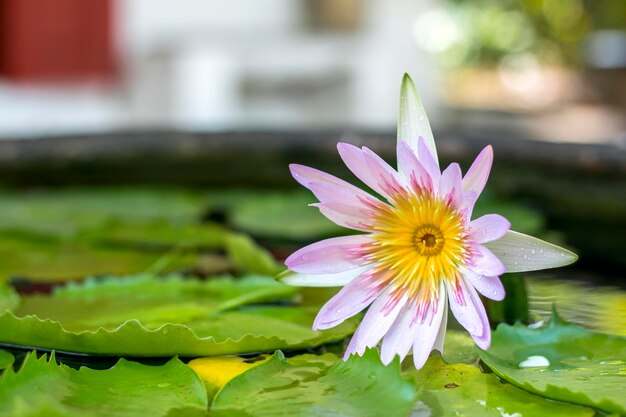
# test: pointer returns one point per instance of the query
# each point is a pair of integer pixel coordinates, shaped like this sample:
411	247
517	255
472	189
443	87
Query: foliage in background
486	32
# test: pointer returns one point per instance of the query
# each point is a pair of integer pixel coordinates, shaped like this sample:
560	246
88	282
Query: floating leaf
41	387
159	234
6	359
317	386
53	260
459	347
68	212
246	255
143	316
462	390
563	362
284	215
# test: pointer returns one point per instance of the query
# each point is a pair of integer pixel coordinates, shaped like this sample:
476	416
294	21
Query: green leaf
275	214
143	316
6	359
317	386
462	390
68	212
246	255
459	347
563	362
161	234
53	260
43	388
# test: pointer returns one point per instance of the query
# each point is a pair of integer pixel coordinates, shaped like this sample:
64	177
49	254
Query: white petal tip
520	253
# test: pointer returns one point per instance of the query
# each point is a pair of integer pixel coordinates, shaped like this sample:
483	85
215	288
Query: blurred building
74	65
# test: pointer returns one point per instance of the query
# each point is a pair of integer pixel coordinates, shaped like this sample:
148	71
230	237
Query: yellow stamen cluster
419	241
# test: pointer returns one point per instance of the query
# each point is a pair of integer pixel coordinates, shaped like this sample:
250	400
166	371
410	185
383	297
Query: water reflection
600	308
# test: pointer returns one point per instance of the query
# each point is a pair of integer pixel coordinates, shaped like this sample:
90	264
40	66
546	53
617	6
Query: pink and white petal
476	177
450	186
350	300
376	323
306	175
469	311
399	339
467	204
311	177
489	227
412	121
430	164
519	253
410	168
441	334
332	193
490	287
483	341
426	332
329	256
338	279
354	158
368	167
345	215
389	181
484	262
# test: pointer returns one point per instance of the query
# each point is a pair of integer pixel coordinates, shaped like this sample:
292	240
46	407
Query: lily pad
317	386
563	362
43	388
284	215
68	212
6	359
145	316
463	390
54	260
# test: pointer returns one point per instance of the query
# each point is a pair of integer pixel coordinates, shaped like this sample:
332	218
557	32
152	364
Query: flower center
428	240
418	242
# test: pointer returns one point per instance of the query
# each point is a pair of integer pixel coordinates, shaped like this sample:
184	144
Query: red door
56	40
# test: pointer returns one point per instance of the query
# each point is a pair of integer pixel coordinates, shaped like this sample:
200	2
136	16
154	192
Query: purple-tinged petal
483	341
335	194
412	121
345	215
429	163
377	321
411	169
305	175
328	256
351	300
484	262
311	177
490	287
399	339
426	332
450	187
470	312
338	279
467	204
368	167
389	181
476	177
489	227
519	253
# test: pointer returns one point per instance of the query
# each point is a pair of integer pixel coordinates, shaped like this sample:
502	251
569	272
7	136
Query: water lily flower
420	252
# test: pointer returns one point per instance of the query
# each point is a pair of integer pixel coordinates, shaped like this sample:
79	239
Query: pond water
599	307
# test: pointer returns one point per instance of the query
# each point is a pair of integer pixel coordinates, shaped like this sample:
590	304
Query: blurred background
128	127
76	66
